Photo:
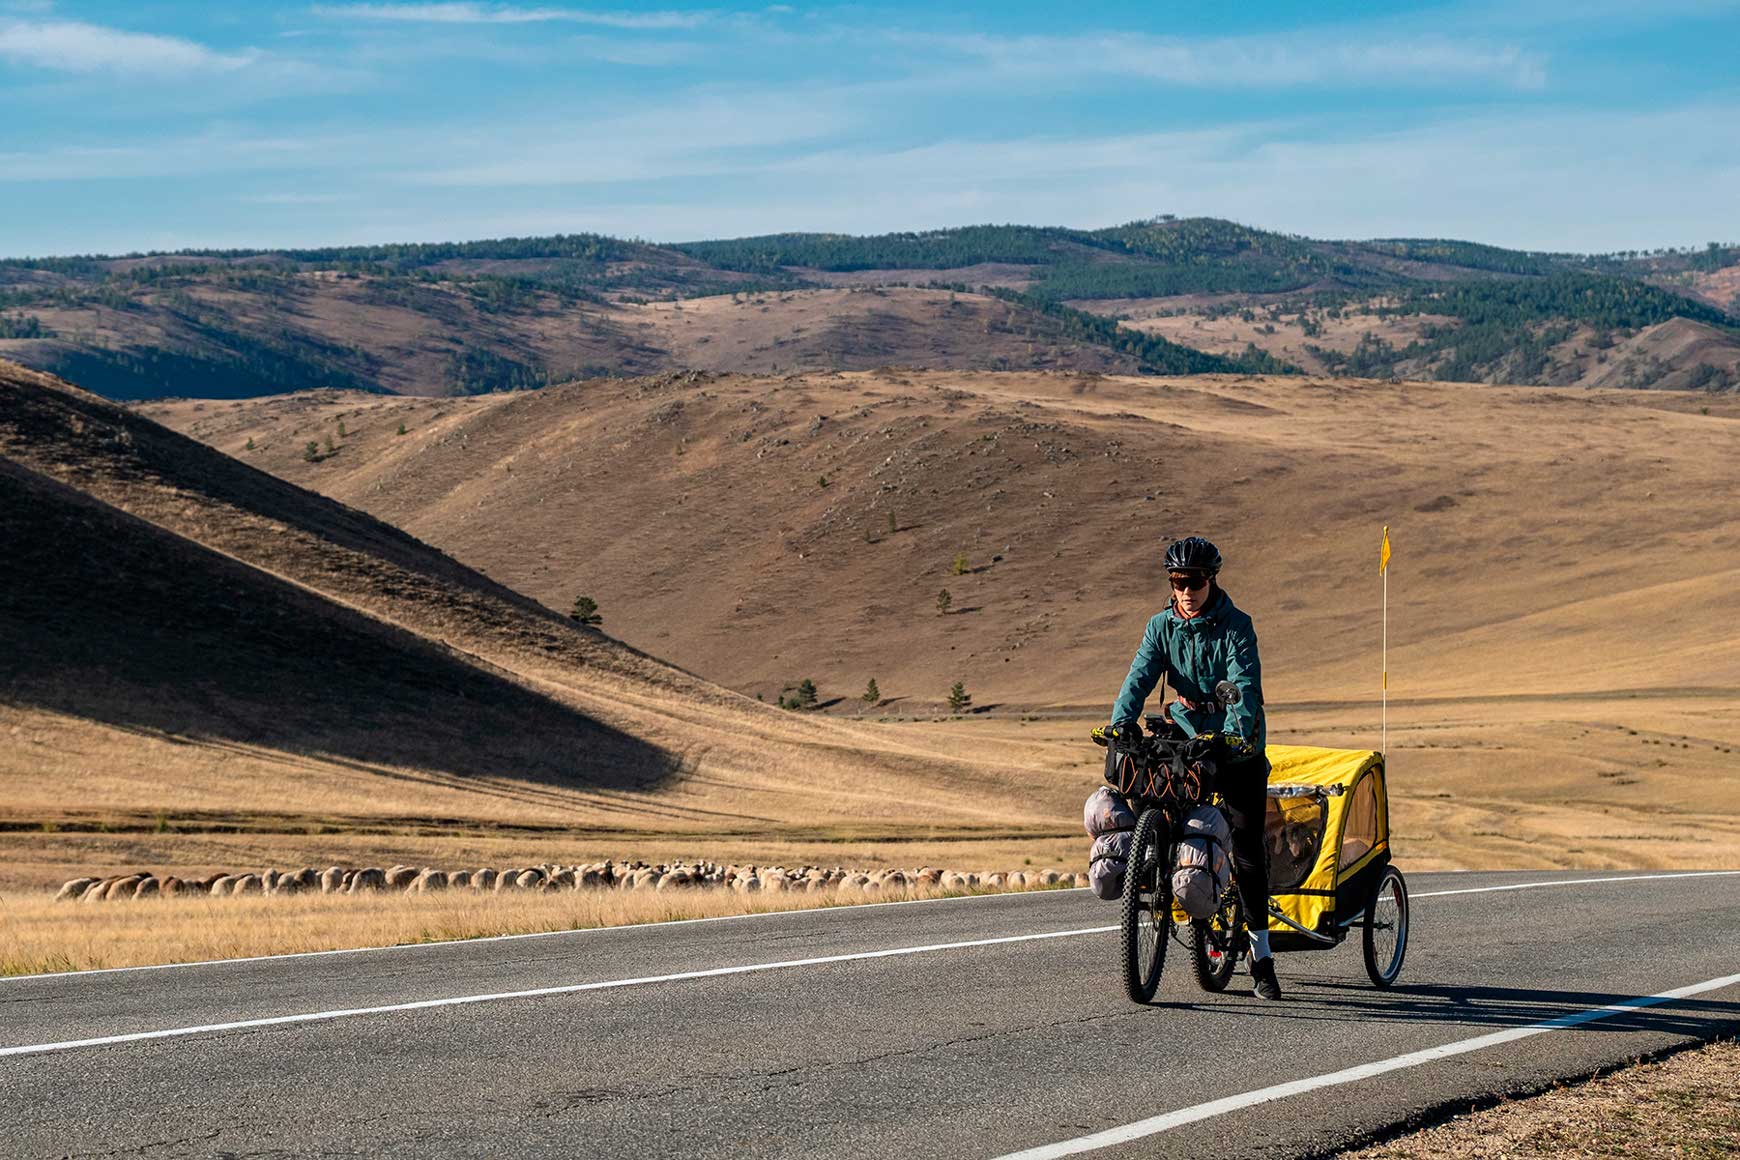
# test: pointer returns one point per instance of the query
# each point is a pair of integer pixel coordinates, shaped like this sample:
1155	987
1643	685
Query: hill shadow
107	617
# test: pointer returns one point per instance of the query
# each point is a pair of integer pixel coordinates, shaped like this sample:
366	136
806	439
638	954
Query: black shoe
1265	985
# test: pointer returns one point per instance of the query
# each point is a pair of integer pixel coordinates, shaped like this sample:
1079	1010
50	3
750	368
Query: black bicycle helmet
1192	554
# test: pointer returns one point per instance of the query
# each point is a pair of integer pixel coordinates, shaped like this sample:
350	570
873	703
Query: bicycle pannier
1203	868
1107	863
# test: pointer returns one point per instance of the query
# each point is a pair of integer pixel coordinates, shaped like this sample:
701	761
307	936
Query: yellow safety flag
1384	552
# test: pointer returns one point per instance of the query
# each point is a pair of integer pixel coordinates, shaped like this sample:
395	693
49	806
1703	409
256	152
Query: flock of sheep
552	877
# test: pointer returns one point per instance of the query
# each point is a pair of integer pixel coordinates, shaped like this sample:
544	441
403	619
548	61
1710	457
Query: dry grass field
44	936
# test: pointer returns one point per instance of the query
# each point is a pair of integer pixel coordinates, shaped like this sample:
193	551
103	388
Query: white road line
1578	882
321	1016
1169	1120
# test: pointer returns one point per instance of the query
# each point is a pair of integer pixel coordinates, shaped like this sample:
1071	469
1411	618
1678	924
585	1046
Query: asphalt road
948	1051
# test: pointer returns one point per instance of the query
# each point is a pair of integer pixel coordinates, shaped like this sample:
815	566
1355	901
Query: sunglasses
1187	583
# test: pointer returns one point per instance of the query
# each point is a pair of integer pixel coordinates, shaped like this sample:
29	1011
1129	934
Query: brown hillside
1674	355
191	640
437	339
694	510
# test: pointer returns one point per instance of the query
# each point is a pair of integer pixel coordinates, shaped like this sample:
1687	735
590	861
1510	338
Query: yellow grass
44	936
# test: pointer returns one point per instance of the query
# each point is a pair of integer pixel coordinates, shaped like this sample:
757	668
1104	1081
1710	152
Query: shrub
311	451
960	566
401	430
891	526
943	601
585	611
250	445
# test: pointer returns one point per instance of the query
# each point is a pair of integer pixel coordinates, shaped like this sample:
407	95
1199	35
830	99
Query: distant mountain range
1164	296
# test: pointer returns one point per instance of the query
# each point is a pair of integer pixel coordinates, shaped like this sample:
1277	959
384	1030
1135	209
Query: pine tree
958	697
311	451
250	446
806	695
891	527
586	611
401	428
943	601
872	695
960	565
330	449
341	431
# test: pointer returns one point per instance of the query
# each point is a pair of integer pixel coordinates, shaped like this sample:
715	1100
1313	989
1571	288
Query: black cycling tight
1244	785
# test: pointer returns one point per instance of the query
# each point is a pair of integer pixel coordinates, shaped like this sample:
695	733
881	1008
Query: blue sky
1567	124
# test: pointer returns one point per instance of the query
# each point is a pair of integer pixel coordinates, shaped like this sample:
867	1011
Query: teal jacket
1219	644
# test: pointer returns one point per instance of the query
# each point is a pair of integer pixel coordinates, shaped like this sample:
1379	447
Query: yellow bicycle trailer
1328	839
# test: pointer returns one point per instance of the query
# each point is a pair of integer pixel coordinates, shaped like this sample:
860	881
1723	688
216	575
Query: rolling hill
1148	297
192	648
821	514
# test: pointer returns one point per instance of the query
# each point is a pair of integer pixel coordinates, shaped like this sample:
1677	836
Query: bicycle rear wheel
1147	911
1215	943
1386	928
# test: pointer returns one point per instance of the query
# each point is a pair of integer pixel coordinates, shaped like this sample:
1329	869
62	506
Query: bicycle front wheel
1147	909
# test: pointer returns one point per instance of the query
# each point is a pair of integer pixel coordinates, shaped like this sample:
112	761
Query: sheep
428	882
483	879
220	886
148	887
459	879
74	889
371	878
122	887
400	877
529	879
248	884
332	880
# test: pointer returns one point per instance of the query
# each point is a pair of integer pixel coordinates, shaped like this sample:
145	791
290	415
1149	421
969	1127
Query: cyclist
1200	640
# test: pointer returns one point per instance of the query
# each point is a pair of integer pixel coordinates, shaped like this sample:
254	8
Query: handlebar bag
1203	868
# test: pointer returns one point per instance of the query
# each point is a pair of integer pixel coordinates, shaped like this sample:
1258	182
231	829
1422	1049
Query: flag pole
1384	712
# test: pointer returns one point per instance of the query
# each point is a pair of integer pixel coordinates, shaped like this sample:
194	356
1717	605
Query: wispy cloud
73	46
468	13
1242	62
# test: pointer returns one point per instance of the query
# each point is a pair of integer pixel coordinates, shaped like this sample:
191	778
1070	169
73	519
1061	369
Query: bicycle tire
1391	895
1147	910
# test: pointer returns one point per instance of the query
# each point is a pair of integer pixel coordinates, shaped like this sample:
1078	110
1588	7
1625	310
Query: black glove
1121	732
1202	747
